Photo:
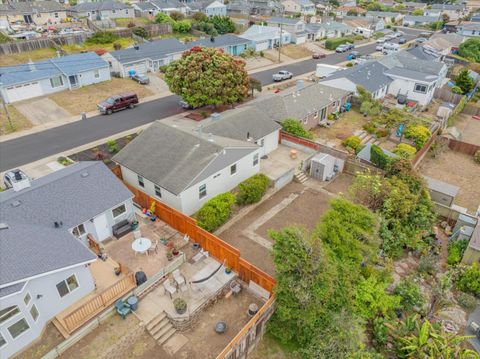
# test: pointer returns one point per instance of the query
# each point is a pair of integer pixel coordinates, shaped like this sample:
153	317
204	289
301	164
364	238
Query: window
126	11
67	286
79	231
34	312
39	15
18	328
96	73
119	210
56	14
56	81
140	181
2	341
420	88
27	299
255	159
202	191
7	313
158	191
233	169
113	11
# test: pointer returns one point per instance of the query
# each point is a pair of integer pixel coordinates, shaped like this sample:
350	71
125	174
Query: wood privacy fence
42	43
215	246
463	147
289	139
471	109
445	94
419	155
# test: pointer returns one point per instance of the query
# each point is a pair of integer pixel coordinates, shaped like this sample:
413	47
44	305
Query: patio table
141	245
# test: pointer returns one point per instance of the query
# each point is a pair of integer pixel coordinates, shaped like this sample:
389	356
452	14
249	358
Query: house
412	6
388	17
472	253
346	10
152	7
184	169
265	7
230	44
238	7
208	7
247	123
327	30
475	17
425	52
364	24
295	27
310	104
102	10
37	13
265	37
453	11
369	75
41	78
419	20
444	44
45	259
469	29
146	57
303	7
441	192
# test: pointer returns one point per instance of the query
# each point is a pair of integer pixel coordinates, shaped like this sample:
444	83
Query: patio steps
160	328
365	138
300	177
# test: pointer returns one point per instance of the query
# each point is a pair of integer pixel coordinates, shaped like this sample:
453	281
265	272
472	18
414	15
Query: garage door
22	92
140	68
262	46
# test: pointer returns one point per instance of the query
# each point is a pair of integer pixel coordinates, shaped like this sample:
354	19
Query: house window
96	73
420	88
119	210
126	11
56	15
39	15
3	342
79	231
202	191
27	299
140	181
158	191
67	286
113	11
34	312
255	159
8	312
56	81
18	328
233	169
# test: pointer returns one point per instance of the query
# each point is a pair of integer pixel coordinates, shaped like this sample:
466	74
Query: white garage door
22	92
140	68
261	46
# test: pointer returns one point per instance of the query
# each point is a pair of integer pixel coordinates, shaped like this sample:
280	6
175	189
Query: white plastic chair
178	277
137	234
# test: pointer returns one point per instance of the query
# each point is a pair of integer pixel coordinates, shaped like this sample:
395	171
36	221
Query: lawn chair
154	247
137	234
122	308
169	288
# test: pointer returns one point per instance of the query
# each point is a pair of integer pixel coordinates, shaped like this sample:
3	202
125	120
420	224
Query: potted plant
180	305
134	225
175	251
228	270
169	255
163	241
117	270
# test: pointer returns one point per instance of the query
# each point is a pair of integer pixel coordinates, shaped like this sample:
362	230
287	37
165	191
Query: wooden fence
42	43
74	319
289	139
445	94
463	147
419	155
471	109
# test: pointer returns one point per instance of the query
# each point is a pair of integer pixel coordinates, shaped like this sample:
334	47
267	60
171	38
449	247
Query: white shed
324	167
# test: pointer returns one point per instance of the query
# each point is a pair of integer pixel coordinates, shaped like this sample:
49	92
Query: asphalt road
30	148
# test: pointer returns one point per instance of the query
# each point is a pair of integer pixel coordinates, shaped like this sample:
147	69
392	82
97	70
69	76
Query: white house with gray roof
44	258
296	27
102	10
265	37
328	29
153	7
185	168
453	11
303	7
419	20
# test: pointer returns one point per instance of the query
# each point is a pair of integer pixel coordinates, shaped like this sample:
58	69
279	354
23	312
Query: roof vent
57	224
3	226
16	203
84	174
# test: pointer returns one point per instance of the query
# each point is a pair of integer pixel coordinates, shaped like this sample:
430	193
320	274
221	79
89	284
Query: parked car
381	40
390	37
353	55
141	79
185	105
421	40
397	34
318	55
402	40
118	102
344	48
379	47
282	75
16	178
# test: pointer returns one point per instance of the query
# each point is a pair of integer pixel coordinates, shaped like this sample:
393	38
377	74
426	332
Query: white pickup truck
282	75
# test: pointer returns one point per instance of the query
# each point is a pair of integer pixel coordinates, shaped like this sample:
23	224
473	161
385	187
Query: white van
390	48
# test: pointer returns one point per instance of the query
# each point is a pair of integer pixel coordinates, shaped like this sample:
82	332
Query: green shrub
378	158
467	301
419	134
296	128
113	146
410	295
380	332
349	64
469	280
457	90
352	142
404	150
370	127
427	264
332	44
359	148
141	31
456	250
252	189
216	211
382	132
476	156
102	37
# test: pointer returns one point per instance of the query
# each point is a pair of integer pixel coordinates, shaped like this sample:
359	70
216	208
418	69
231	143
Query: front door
73	80
101	227
323	114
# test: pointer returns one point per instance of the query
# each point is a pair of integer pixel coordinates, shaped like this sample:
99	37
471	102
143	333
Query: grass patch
138	21
344	127
23	57
19	121
72	49
86	98
271	348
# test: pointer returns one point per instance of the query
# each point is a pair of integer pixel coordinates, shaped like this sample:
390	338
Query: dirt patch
340	184
24	57
296	52
256	62
86	98
19	121
50	338
469	127
457	169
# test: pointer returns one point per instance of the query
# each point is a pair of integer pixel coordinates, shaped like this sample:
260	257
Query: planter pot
181	311
196	246
228	270
175	253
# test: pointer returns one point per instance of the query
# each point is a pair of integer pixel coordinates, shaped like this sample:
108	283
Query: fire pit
220	327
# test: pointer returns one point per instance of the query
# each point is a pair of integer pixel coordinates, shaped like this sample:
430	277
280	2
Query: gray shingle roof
14	288
421	18
66	65
154	50
382	14
453	7
168	4
175	159
31	7
424	53
404	59
442	187
99	6
241	122
32	245
283	20
220	41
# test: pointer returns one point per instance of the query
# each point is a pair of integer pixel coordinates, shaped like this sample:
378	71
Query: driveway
42	111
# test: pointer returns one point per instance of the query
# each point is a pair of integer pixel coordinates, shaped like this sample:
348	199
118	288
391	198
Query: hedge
378	158
215	212
352	142
404	150
295	128
419	135
252	189
332	44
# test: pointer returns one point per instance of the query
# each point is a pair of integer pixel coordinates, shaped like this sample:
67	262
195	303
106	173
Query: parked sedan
344	48
318	55
282	75
353	55
379	47
381	40
421	40
141	79
402	40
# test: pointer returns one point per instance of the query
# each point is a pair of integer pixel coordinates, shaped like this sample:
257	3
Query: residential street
29	148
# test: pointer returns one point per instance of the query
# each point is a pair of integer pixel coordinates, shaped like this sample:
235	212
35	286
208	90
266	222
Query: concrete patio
280	161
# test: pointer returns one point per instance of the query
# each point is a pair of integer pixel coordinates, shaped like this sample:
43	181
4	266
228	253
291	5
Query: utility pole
280	44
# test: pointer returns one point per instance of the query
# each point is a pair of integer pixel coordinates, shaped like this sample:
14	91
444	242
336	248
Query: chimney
31	65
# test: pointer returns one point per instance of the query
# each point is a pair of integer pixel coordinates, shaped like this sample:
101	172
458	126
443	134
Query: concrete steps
366	138
160	328
300	177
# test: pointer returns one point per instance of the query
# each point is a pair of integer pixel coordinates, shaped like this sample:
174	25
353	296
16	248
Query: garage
139	68
23	92
261	45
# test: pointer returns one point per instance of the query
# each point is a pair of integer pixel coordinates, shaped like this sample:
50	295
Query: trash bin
133	302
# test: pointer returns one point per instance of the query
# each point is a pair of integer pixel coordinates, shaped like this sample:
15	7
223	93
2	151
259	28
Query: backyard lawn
72	49
348	123
86	98
18	120
23	57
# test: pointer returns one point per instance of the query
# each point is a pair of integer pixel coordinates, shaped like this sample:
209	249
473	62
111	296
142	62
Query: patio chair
178	277
154	247
169	288
137	234
122	308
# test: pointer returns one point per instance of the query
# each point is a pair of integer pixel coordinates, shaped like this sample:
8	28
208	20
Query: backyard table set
141	245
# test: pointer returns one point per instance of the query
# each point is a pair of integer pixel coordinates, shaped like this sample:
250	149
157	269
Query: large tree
470	49
464	81
207	76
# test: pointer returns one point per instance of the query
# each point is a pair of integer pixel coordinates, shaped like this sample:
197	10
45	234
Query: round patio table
141	245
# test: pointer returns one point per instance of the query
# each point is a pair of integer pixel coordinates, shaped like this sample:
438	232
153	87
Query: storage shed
441	192
324	167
